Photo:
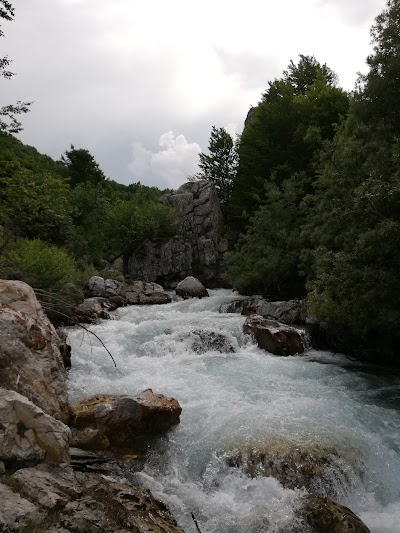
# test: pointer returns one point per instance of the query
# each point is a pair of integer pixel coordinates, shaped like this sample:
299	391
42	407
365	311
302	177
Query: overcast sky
140	83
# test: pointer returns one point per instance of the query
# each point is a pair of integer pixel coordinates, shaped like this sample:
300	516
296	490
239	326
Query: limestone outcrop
30	358
122	418
191	287
27	434
288	312
118	293
273	336
198	246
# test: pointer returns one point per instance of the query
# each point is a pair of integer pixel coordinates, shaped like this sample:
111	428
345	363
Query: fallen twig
195	523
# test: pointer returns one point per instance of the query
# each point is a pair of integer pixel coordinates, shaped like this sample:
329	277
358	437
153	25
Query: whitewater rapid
240	396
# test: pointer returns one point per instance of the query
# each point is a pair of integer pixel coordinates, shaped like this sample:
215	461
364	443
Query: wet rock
288	312
320	514
206	341
2	468
123	418
141	292
191	287
316	467
273	336
16	512
27	434
30	358
93	309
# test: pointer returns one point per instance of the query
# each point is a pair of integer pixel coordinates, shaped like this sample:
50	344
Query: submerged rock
30	358
27	434
123	418
207	341
274	337
320	514
191	287
316	467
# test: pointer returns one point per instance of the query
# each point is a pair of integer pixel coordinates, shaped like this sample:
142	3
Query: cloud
168	167
356	12
252	70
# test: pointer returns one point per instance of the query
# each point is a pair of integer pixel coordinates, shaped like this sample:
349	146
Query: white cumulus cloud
168	167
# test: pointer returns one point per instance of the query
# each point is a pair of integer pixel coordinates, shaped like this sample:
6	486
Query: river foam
245	395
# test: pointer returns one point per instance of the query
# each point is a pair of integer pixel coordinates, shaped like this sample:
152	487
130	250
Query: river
246	396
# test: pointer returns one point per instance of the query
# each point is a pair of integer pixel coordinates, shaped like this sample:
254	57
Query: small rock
274	337
288	312
191	287
96	286
93	309
2	468
320	514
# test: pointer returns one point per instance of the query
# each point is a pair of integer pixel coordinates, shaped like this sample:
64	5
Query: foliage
283	133
8	121
220	165
39	264
82	168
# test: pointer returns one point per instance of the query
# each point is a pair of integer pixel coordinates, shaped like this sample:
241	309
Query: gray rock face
29	434
191	287
274	337
198	247
16	512
288	312
30	358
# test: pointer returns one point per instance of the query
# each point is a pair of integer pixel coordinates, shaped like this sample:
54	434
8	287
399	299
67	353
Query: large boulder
191	287
273	336
198	246
314	466
27	434
30	358
288	312
320	514
122	418
58	499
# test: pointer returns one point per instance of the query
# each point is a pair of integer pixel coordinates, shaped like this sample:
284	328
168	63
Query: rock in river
273	336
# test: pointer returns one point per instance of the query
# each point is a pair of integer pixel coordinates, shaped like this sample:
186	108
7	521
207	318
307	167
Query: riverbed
245	396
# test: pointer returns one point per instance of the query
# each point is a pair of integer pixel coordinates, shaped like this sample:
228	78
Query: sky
140	83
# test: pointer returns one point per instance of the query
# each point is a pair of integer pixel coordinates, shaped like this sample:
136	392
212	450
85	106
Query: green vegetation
316	199
63	221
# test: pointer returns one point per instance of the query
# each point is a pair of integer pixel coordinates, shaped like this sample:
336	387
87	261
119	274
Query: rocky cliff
198	246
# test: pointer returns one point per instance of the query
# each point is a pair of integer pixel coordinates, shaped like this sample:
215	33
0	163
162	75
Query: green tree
220	165
283	133
81	167
378	96
8	120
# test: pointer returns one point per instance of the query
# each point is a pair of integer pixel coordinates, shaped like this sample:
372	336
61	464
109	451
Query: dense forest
310	192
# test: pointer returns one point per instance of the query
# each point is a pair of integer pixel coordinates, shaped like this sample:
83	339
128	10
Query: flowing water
246	396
